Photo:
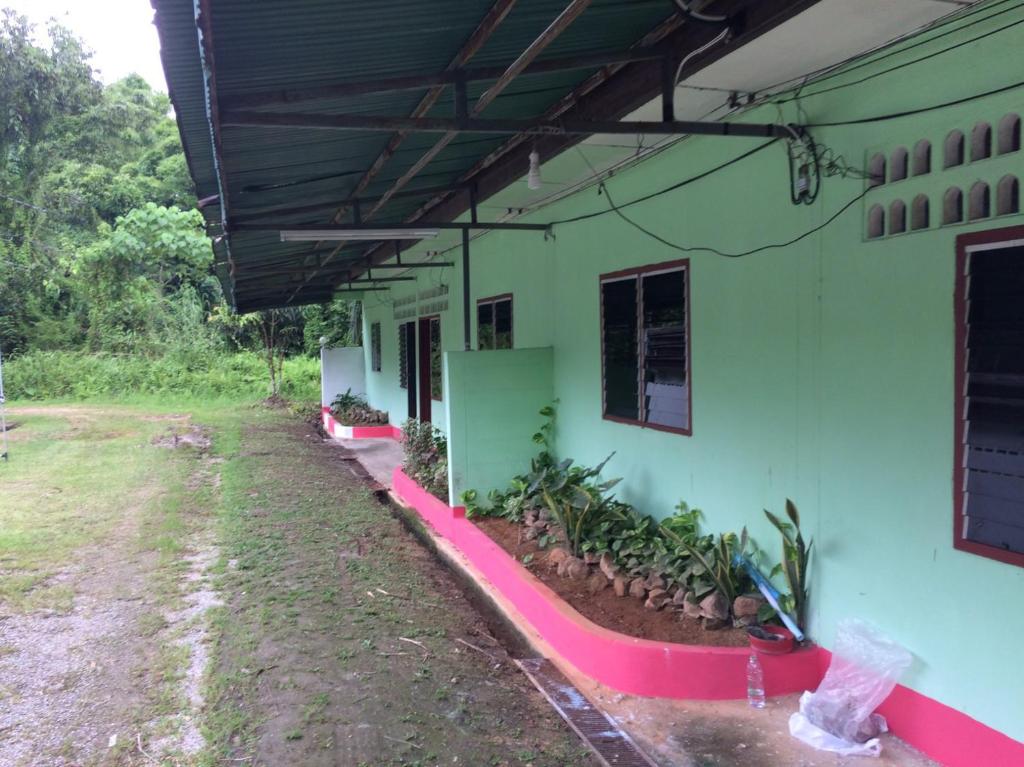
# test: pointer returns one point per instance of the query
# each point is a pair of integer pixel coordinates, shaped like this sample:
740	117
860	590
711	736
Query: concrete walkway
380	457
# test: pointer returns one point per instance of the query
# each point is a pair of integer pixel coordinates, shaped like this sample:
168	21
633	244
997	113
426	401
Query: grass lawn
242	600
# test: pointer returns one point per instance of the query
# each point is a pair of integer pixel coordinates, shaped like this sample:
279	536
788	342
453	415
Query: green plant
353	410
522	494
795	558
576	502
426	457
712	568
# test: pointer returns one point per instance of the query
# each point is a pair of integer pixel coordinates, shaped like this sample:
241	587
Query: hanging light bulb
533	180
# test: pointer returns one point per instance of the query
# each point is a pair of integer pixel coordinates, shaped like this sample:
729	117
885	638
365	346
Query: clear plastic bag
839	716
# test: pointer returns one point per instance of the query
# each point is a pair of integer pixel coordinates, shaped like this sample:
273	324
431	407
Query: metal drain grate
598	730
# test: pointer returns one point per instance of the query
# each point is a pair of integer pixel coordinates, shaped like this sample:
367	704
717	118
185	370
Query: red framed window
645	346
494	322
988	487
375	347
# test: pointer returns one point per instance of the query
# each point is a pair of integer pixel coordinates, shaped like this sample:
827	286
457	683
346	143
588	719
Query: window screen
993	409
494	323
621	358
403	355
644	340
435	358
664	349
375	347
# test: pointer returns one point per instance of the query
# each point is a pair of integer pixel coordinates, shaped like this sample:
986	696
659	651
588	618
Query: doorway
428	369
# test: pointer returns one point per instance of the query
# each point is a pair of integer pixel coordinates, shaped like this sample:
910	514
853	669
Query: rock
715	606
531	533
557	556
544	515
744	621
590	558
715	624
608	566
597	583
637	588
621	586
679	598
530	517
657	599
575	569
690	606
747	606
655	581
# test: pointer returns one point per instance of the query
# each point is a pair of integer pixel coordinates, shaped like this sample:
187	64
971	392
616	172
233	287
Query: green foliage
74	156
523	493
353	410
578	502
184	373
795	558
426	457
135	273
331	321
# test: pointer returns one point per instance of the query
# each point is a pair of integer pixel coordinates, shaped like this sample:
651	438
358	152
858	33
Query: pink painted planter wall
629	664
335	429
669	670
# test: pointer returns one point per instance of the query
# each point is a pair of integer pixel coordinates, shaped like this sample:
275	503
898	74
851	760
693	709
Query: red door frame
965	242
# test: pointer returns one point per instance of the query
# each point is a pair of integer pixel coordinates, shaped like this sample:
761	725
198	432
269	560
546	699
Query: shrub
426	457
183	374
353	410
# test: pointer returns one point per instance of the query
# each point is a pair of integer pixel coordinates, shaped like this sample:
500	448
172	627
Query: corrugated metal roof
260	46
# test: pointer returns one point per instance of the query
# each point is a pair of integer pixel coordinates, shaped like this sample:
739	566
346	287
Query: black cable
920	110
666	190
752	251
864	61
918	60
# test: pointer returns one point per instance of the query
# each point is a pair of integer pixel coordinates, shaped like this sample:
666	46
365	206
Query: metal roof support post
668	89
466	314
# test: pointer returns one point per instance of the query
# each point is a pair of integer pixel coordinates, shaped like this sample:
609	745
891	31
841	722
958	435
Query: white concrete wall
341	369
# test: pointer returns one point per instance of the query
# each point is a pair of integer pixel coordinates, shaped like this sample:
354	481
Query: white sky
120	33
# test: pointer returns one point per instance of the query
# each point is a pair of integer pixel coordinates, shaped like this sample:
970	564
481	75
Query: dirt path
68	676
86	682
344	642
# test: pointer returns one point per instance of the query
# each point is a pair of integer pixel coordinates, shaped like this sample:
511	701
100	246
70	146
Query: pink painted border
336	429
629	664
668	670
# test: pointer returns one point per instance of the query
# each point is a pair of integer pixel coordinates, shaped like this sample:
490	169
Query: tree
135	271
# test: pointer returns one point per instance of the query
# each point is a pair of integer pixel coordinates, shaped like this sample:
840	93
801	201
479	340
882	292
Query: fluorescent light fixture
315	235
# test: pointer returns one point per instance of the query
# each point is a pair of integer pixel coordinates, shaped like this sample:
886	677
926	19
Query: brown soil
624	614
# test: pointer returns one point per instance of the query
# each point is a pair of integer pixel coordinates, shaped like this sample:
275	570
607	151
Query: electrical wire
919	110
721	36
672	188
902	65
696	248
840	68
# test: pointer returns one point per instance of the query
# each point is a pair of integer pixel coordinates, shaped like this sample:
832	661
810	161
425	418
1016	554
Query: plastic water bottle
755	682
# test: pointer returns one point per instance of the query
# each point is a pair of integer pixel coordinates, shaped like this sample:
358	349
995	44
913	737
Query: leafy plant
795	558
426	457
576	501
712	568
523	493
353	410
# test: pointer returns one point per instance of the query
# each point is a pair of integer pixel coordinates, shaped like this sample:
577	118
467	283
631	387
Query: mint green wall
488	445
821	371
